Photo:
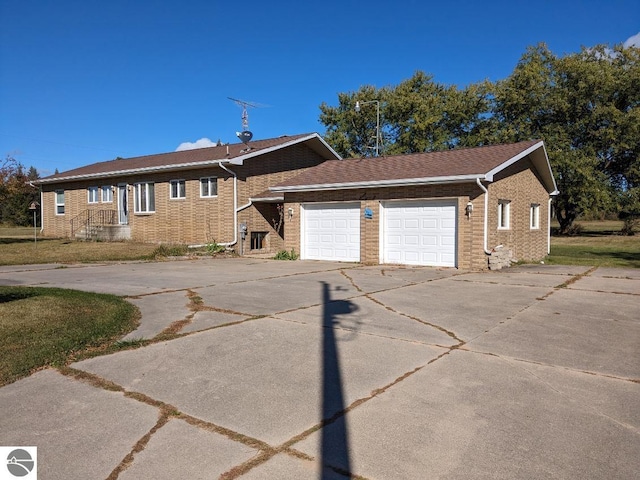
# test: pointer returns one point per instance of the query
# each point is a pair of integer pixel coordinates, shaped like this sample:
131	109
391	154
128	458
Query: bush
169	251
284	255
214	247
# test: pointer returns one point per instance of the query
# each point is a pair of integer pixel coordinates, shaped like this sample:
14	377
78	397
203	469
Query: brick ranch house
456	208
469	208
191	197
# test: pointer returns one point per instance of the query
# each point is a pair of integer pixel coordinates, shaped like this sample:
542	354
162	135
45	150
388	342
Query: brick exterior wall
470	253
192	220
518	183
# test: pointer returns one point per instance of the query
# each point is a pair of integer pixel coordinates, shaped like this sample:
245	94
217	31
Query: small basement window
258	240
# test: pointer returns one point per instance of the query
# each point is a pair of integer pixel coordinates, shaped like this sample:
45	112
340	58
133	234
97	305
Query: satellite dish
245	136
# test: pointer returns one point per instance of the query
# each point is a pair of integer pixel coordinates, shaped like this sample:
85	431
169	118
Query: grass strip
48	326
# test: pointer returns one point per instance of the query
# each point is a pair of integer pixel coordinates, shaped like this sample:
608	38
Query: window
209	187
534	216
106	194
144	198
504	211
258	240
59	202
92	194
178	189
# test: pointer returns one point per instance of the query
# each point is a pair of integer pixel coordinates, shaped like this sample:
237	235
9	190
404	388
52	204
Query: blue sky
83	81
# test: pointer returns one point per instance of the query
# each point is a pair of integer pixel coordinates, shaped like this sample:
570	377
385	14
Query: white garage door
331	232
420	233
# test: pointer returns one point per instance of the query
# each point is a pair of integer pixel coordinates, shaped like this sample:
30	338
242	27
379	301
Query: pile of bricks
500	258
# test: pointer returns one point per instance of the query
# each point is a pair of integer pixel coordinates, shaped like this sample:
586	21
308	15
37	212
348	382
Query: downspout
235	209
486	215
549	227
41	211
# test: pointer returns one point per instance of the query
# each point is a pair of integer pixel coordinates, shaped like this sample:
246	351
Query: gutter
486	215
401	182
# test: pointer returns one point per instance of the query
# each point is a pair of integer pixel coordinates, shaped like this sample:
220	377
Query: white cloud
202	143
632	41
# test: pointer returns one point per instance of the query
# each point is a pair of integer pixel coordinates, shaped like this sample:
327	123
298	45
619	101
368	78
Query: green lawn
50	326
599	244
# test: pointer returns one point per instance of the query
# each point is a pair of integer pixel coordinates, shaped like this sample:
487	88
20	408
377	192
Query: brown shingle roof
183	158
465	162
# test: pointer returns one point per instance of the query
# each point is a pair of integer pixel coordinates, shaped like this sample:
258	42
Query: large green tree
417	115
16	192
585	106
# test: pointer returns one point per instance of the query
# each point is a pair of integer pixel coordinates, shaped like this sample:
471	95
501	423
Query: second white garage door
331	232
419	233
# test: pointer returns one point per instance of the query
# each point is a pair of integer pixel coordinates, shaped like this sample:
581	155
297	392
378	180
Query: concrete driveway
311	370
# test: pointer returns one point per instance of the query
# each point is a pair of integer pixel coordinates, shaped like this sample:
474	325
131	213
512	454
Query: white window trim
137	188
504	212
92	194
178	181
105	188
210	182
60	204
534	216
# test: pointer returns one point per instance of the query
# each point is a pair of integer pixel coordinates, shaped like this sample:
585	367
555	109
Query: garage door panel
411	223
411	240
429	240
420	233
429	223
331	232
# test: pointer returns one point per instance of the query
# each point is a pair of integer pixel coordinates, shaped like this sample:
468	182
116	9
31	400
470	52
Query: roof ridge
203	148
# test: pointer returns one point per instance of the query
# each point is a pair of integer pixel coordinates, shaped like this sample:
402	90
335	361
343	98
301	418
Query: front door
123	205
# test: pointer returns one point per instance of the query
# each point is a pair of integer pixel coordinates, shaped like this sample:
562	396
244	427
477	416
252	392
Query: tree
417	115
16	192
585	106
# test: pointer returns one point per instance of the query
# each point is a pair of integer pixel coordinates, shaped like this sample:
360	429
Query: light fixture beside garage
290	213
468	209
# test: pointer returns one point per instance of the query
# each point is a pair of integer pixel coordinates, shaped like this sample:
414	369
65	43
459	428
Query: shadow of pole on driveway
334	434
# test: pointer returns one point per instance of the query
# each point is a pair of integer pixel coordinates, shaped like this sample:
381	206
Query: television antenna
245	135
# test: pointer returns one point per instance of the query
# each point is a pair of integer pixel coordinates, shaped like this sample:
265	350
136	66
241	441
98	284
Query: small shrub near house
285	255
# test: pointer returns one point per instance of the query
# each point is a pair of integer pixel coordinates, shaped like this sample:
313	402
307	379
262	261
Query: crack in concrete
266	451
565	395
138	447
353	283
419	320
167	411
